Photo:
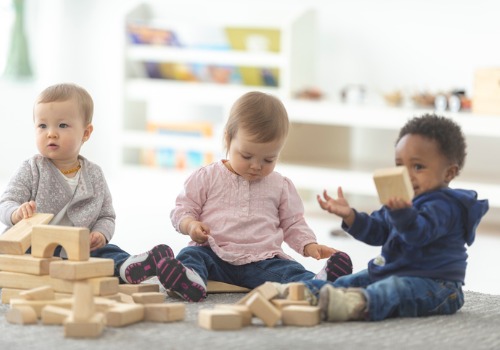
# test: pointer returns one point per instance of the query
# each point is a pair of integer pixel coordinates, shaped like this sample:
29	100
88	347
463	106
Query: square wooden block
393	182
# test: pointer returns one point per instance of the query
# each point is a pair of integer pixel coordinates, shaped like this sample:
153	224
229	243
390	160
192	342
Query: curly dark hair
447	133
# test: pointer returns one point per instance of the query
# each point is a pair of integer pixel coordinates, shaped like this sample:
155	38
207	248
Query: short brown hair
66	91
261	115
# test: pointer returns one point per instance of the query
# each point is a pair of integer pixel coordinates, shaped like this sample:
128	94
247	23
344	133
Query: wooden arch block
75	240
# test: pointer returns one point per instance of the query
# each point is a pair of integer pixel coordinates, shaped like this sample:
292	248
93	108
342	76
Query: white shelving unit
149	99
374	129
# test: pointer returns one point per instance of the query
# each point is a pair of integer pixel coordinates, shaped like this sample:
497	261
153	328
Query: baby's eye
246	157
269	161
63	125
418	166
42	126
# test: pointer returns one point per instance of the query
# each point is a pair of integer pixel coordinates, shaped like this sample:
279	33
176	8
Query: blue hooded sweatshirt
425	240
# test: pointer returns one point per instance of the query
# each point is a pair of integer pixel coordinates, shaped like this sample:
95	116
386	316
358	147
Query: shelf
145	53
143	139
203	93
382	117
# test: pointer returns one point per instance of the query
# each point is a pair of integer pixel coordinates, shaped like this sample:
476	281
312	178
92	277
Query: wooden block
296	291
125	298
148	298
21	315
267	290
83	302
121	314
300	315
100	285
263	309
164	312
26	264
219	319
75	240
12	293
52	314
393	182
38	305
39	293
91	328
243	310
17	239
79	270
138	288
282	303
221	287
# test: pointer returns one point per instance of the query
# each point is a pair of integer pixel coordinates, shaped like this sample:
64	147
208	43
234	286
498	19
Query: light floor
143	221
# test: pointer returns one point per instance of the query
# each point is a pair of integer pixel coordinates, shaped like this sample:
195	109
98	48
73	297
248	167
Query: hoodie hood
473	210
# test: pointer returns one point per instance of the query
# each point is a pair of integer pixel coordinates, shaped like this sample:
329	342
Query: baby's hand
97	240
25	211
318	251
398	203
198	231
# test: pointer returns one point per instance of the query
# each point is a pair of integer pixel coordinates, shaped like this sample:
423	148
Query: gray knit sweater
39	180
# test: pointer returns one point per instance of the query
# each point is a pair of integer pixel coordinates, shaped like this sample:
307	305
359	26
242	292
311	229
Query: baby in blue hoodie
421	268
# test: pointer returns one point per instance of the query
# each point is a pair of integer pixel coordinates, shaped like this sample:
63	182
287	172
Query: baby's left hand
318	251
97	240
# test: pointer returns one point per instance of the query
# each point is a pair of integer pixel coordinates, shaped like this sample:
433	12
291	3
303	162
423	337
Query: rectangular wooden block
243	310
296	291
221	287
13	293
17	239
55	315
91	328
138	288
393	182
100	285
79	270
38	305
282	303
148	298
263	309
75	240
39	293
300	315
121	315
165	312
26	264
219	319
267	290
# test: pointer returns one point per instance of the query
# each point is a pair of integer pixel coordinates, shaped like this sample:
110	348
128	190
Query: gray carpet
476	326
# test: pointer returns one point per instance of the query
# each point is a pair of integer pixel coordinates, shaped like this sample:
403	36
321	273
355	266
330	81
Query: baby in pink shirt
239	211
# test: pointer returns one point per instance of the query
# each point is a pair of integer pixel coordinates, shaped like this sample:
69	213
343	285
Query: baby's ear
451	172
87	132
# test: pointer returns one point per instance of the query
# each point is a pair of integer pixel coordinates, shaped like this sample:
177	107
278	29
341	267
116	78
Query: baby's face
253	160
428	167
60	130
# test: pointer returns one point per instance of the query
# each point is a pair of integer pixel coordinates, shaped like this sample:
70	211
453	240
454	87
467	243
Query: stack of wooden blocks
79	293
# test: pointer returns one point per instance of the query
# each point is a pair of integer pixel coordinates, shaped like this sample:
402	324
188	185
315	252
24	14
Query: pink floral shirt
249	221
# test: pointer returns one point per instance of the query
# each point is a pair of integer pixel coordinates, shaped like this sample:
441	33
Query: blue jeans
400	296
210	267
111	251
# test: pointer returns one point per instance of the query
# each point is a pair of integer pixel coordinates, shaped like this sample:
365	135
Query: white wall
383	44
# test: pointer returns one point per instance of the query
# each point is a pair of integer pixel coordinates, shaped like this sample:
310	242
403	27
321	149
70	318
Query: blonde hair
66	91
261	115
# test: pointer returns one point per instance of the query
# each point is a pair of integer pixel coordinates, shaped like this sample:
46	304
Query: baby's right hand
198	231
25	211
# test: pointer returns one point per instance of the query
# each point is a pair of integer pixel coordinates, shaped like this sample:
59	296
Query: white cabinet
333	145
207	62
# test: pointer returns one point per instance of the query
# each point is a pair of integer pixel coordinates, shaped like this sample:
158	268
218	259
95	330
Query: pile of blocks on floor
81	294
